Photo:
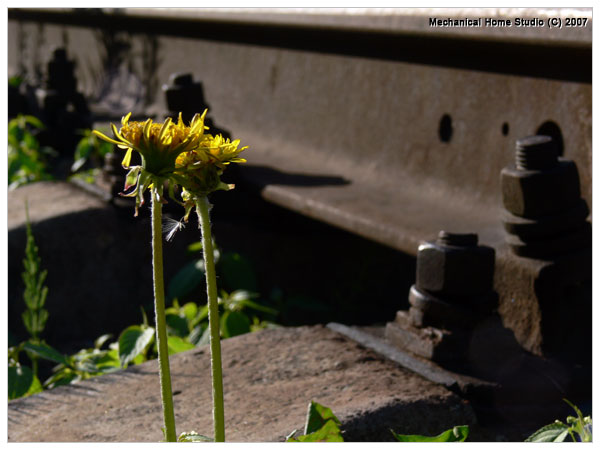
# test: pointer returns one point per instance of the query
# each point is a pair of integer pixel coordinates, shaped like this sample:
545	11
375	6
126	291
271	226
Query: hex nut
536	193
556	246
546	226
455	271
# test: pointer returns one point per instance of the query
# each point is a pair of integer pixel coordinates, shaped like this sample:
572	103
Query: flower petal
105	137
127	159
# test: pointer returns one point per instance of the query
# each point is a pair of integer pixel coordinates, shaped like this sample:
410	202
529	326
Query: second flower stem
202	209
160	319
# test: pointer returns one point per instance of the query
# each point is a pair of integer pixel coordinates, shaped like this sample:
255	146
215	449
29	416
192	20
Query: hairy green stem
202	208
161	323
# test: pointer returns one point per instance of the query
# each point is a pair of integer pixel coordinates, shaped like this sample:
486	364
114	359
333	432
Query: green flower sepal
142	180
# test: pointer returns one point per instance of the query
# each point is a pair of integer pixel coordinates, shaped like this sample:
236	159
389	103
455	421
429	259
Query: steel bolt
184	95
540	183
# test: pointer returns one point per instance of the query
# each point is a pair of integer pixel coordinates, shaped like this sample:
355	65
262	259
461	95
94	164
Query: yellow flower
212	150
200	169
159	143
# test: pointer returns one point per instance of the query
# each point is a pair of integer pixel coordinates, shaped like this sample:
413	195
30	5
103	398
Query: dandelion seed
172	226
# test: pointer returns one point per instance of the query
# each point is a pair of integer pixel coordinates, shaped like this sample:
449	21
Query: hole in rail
550	128
445	128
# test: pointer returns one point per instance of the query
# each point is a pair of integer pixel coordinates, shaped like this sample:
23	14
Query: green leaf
177	325
555	432
237	272
577	410
42	314
22	382
329	432
34	121
190	310
456	434
177	344
192	436
186	280
317	416
15	81
61	378
46	352
234	323
195	247
196	334
98	343
201	316
30	321
133	341
36	386
109	361
257	307
205	339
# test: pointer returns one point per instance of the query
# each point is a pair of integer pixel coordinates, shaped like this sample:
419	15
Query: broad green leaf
329	432
45	351
177	325
186	280
237	272
456	434
234	323
317	416
555	432
22	382
190	310
177	344
133	341
192	436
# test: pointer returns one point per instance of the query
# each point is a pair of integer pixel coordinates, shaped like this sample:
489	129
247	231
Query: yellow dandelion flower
159	143
202	167
215	150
